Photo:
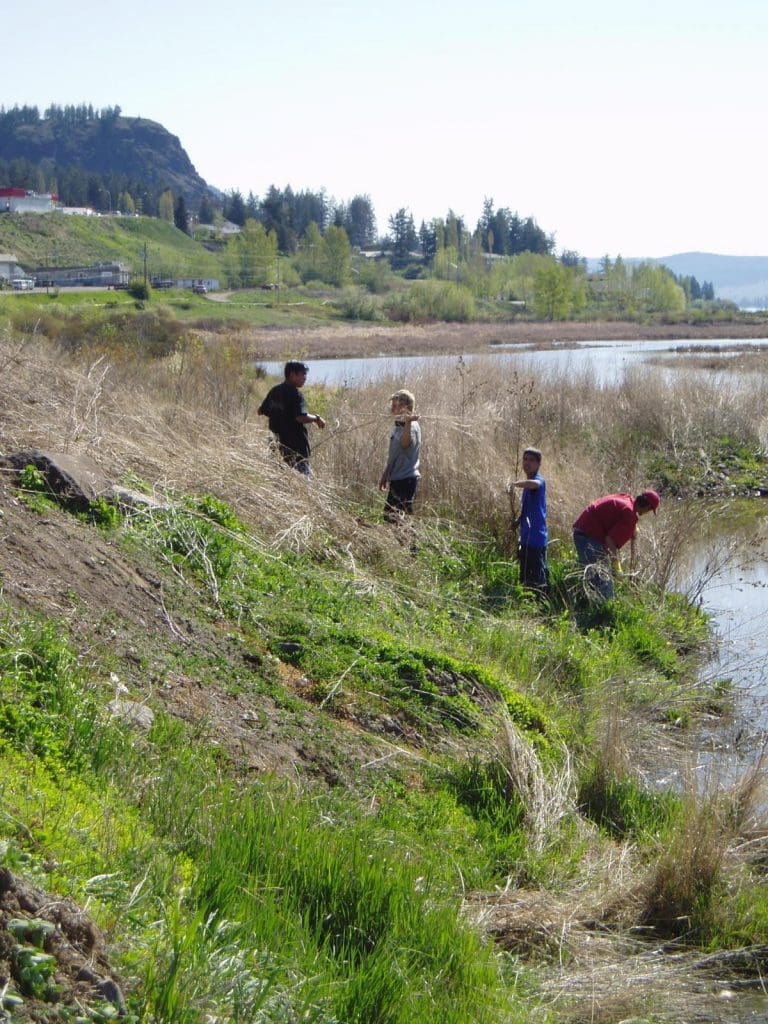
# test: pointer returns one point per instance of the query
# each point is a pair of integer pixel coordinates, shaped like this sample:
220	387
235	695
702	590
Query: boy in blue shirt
532	549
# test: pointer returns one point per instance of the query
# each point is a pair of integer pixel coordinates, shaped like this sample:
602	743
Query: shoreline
348	341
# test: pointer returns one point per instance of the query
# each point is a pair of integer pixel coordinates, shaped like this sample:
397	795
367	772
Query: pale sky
622	127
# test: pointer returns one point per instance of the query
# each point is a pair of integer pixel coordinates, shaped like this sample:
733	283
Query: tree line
69	113
299	236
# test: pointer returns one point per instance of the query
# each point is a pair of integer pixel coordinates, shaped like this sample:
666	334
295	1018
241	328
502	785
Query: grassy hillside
300	765
52	240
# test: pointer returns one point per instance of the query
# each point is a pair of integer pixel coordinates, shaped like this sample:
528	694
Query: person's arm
406	438
311	418
528	485
613	554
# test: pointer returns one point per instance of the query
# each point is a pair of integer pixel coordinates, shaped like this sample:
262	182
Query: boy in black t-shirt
286	410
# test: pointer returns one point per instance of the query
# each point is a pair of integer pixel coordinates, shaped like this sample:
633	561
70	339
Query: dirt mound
151	629
51	953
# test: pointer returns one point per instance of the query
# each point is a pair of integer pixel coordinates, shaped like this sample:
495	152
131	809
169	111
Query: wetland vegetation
380	782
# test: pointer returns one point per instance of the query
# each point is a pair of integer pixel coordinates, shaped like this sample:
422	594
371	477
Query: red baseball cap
653	500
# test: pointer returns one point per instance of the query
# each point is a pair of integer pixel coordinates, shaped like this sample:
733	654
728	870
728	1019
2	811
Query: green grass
322	914
264	901
50	240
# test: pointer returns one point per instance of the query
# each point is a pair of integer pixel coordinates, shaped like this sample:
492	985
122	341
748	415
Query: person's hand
320	422
412	418
383	482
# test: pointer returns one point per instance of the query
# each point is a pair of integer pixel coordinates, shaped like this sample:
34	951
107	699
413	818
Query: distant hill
741	279
102	144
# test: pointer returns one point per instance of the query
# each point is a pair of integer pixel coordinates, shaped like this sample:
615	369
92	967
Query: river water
726	572
605	361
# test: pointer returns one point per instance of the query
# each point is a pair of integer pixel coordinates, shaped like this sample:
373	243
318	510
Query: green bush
356	305
139	290
432	300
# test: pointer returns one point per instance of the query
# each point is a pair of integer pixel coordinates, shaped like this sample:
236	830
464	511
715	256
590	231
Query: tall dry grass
477	418
188	420
164	422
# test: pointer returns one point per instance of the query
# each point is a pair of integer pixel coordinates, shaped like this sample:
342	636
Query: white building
22	200
9	266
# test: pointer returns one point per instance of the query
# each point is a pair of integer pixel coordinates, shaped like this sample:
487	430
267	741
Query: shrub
356	305
433	300
139	290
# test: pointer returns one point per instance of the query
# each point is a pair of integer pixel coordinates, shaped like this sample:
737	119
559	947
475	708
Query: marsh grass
270	901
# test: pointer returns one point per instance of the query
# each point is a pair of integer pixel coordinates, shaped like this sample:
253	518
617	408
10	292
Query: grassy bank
381	782
45	240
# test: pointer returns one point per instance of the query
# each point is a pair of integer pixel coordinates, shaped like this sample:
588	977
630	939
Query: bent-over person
602	529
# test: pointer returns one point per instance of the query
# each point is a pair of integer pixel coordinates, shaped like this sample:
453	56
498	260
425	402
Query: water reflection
726	571
605	361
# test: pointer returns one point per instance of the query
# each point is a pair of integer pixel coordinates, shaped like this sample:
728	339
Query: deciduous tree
165	206
336	253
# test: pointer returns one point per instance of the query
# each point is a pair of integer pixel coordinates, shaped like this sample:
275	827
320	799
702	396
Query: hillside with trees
95	157
501	268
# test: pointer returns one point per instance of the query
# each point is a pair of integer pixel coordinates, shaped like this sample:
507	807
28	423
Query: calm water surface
605	361
728	575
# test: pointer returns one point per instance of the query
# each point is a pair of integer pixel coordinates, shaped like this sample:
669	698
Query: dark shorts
399	501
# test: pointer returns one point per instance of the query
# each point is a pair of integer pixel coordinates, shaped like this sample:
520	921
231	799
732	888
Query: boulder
75	479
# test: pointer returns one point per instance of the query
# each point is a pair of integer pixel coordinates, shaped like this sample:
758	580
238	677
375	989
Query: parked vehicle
199	289
23	284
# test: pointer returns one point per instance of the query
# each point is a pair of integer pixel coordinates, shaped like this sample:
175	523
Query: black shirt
282	405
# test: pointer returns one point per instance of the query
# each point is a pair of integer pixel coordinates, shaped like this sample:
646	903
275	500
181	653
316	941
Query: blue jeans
533	569
598	577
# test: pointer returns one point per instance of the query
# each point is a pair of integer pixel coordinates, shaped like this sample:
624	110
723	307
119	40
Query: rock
289	647
105	987
132	500
75	479
108	990
132	713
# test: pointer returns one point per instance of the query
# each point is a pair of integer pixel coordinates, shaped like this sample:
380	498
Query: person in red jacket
602	529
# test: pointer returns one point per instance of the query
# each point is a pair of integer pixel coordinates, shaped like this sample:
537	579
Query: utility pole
145	265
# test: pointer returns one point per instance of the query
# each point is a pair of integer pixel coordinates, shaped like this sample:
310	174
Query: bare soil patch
36	926
152	633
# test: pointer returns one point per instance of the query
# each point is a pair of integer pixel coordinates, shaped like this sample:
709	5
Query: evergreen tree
234	208
252	207
205	212
428	241
359	221
180	215
570	258
404	238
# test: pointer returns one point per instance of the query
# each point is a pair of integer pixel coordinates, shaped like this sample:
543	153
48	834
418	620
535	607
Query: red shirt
613	516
